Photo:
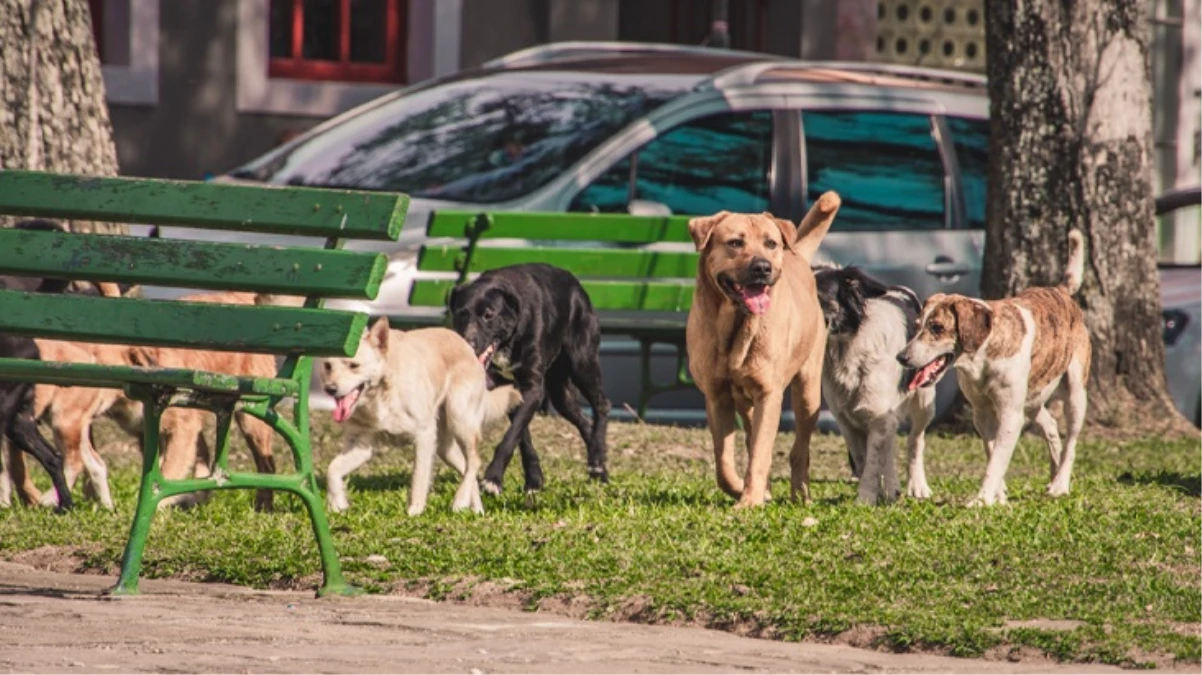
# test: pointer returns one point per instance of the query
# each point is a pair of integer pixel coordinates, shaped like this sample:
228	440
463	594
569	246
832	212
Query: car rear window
481	140
885	165
702	166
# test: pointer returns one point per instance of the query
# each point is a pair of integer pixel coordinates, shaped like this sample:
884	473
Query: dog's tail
499	402
1075	272
816	223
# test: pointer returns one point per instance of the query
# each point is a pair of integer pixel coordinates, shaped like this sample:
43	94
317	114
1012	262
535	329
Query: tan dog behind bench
755	328
71	410
1011	357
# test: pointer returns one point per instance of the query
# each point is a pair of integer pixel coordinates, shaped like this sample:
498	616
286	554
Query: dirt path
53	622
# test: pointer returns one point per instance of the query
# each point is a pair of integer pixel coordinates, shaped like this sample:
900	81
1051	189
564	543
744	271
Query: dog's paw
747	502
337	506
184	501
418	509
49	498
490	487
598	474
918	491
1058	488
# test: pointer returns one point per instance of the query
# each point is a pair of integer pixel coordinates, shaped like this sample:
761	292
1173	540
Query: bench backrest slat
605	295
288	210
191	264
195	325
590	262
608	252
606	227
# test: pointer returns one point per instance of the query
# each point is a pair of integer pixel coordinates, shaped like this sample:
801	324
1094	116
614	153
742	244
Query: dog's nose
331	389
760	267
901	358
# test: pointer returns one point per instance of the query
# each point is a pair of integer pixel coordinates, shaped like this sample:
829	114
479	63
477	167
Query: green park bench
296	333
638	292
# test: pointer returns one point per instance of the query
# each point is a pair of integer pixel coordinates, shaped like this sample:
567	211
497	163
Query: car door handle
947	268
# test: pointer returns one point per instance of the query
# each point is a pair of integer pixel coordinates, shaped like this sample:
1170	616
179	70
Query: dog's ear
454	298
701	228
869	287
511	299
788	231
377	335
974	321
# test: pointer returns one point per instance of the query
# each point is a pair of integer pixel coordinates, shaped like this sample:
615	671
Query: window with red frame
345	40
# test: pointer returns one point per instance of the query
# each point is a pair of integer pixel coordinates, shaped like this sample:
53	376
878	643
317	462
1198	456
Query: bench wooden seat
640	287
296	332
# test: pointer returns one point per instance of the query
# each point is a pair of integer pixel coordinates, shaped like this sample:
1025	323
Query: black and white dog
533	325
863	383
18	423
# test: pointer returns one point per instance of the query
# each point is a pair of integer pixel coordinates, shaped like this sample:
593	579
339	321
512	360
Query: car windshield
480	140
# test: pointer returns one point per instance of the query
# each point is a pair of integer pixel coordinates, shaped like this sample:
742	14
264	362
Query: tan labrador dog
755	329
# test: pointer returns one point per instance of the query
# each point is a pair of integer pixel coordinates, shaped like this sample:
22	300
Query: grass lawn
1110	573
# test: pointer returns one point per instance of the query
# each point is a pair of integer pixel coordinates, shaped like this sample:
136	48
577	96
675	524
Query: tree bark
1071	147
53	114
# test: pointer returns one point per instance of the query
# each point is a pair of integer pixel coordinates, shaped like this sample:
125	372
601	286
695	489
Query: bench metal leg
297	436
649	387
148	499
154	487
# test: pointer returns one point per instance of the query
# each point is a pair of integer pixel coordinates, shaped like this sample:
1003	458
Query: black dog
533	325
17	420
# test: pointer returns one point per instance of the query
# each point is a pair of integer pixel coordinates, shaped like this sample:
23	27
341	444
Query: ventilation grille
932	33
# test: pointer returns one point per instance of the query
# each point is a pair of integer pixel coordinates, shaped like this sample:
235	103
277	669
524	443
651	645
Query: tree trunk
1071	147
53	114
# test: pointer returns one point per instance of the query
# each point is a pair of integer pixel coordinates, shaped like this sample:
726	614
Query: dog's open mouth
487	354
755	298
343	405
930	373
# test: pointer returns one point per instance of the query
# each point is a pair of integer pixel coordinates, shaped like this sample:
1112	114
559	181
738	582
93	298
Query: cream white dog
424	384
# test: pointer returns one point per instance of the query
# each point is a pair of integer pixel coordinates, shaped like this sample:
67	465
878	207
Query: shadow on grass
1187	484
573	491
382	481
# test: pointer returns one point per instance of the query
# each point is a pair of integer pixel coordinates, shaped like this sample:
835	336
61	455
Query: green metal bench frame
298	333
606	251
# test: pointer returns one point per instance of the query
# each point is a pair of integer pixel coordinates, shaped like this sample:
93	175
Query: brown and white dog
1011	357
755	328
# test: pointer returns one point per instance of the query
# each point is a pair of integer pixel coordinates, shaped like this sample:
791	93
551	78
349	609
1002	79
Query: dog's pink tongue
343	405
924	374
756	299
916	381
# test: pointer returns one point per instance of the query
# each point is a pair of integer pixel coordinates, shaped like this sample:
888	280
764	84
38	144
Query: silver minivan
664	129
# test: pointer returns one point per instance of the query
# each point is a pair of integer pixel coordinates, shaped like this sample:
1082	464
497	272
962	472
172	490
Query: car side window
885	165
702	166
971	140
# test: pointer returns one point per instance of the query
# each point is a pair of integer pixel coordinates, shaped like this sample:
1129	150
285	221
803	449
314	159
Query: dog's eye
735	243
488	314
770	244
353	366
935	329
